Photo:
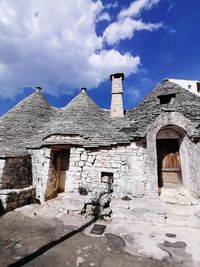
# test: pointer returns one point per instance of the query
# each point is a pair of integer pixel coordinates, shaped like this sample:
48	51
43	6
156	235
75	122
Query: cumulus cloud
55	45
106	60
127	24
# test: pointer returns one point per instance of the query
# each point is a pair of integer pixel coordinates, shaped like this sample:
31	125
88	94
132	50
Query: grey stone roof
81	117
21	122
34	123
185	102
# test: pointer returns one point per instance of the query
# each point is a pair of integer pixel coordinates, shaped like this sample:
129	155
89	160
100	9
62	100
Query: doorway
59	168
169	163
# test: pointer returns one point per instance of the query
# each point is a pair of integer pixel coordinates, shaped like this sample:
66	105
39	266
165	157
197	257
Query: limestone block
21	202
98	164
2	163
84	156
91	159
115	165
124	168
81	163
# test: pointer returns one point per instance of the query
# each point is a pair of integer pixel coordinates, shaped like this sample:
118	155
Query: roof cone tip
83	89
38	88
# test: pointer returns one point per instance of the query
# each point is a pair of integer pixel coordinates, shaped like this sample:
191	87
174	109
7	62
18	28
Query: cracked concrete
44	235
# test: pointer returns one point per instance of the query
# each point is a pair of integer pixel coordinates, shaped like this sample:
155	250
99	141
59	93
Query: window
166	99
189	86
198	87
107	178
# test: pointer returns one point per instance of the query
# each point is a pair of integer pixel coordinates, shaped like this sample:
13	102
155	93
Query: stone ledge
13	198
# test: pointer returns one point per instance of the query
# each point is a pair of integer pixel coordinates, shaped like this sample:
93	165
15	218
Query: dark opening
198	87
166	99
65	153
107	177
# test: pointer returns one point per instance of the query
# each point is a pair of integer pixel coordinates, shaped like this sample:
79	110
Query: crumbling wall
15	172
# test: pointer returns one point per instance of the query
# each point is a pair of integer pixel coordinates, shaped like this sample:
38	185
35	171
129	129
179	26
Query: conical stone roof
184	102
22	122
33	120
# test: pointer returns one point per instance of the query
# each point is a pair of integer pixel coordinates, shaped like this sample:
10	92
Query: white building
191	85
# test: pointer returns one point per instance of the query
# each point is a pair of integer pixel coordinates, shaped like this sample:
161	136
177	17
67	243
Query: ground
43	235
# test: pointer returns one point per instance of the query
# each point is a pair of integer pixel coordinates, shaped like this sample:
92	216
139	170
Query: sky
67	44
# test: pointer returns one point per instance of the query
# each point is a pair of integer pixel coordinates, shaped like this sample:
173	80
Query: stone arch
184	128
169	157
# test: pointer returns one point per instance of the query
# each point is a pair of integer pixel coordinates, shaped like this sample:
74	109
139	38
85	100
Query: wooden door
169	166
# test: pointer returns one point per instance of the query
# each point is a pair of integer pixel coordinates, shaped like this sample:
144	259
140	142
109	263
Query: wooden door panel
171	160
169	166
171	177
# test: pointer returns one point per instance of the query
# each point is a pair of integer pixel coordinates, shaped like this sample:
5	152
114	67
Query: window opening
107	178
166	99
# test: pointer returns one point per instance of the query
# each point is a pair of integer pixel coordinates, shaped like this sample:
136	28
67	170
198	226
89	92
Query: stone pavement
44	235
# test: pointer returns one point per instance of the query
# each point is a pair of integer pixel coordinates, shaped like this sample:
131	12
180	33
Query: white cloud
126	25
51	43
136	7
125	29
170	8
112	5
104	16
106	60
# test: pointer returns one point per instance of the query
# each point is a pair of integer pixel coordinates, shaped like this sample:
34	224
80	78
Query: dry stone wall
90	169
125	163
12	198
15	172
40	171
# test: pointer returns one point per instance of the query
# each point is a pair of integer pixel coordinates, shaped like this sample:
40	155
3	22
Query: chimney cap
38	88
117	75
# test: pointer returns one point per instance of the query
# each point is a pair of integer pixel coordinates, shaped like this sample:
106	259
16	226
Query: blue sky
80	42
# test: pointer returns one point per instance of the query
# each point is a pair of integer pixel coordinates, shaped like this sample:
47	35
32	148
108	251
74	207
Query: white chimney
117	109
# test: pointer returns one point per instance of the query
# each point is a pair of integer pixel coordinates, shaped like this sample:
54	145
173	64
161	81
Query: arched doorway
168	141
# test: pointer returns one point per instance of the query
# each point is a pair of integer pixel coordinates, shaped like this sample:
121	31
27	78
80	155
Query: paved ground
41	236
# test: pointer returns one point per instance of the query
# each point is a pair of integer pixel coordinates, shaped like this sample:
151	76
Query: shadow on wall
17	173
1	208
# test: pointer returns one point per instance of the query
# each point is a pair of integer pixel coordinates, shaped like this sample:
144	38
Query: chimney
117	109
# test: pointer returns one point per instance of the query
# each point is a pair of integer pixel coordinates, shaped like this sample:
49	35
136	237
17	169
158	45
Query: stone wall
132	169
15	172
40	171
87	168
126	163
12	198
